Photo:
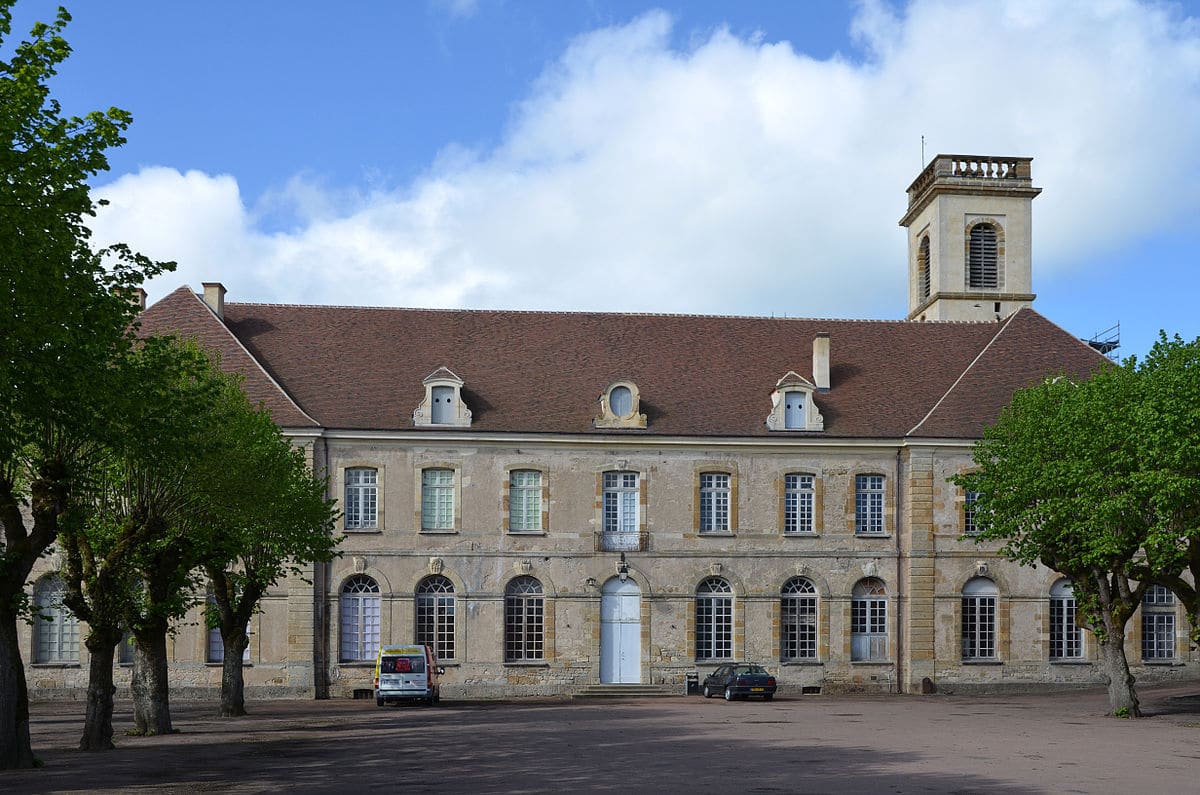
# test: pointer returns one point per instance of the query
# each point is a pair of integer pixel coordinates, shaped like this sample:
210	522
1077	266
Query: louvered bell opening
983	271
923	266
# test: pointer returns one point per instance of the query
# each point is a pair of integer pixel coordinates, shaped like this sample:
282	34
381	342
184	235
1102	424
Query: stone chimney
214	296
821	361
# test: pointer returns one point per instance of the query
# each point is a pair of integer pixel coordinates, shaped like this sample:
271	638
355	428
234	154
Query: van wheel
379	702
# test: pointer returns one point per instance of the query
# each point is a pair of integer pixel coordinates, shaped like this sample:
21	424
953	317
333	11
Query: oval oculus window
620	401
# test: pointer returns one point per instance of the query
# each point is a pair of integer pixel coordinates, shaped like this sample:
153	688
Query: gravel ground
878	744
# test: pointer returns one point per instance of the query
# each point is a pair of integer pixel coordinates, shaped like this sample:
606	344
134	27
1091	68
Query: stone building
556	500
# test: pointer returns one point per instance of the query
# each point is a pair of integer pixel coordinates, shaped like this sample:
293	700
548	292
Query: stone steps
628	691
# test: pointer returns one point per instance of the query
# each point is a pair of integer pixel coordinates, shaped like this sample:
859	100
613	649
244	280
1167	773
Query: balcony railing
622	542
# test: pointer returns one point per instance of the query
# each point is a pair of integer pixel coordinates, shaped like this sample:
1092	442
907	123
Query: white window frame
869	503
360	500
868	621
980	600
1158	625
525	501
798	620
1066	636
435	614
715	491
714	620
970	526
799	504
215	647
359	607
622	496
524	620
55	627
438	495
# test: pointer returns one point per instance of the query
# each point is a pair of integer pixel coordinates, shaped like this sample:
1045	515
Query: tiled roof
543	372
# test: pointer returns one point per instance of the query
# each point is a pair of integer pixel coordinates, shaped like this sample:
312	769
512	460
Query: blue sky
733	158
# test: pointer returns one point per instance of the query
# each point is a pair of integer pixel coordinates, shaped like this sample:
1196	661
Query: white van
407	673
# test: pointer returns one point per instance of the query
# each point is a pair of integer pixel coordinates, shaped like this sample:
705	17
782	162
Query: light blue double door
621	632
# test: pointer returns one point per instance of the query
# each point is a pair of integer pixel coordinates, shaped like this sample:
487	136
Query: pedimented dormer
620	406
443	404
793	407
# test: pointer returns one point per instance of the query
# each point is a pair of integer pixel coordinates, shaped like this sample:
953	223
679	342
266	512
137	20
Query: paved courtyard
881	744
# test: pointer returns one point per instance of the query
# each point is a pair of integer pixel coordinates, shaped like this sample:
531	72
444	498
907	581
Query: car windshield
749	669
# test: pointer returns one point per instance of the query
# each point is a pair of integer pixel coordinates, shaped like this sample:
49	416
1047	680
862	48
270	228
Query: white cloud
735	176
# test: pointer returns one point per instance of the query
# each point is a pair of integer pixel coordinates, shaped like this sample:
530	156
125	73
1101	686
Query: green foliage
1122	712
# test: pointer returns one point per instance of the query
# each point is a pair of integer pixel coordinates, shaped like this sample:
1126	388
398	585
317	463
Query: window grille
524	501
868	621
798	493
437	499
1066	637
714	620
923	267
435	615
359	607
216	643
798	620
524	620
983	270
714	503
55	629
868	504
361	498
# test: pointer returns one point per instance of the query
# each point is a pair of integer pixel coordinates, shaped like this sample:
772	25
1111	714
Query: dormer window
792	406
443	404
619	407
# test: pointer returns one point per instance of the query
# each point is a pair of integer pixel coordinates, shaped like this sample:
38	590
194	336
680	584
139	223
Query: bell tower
969	238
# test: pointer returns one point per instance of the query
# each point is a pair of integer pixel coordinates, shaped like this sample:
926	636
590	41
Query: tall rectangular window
524	501
360	501
621	497
970	527
1158	624
868	504
1066	637
714	502
979	619
437	499
798	504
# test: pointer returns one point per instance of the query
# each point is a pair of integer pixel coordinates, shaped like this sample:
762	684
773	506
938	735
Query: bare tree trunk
97	724
151	700
233	681
1122	700
15	750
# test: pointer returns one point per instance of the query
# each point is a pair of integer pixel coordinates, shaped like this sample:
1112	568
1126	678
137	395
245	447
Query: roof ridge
606	313
1003	327
252	357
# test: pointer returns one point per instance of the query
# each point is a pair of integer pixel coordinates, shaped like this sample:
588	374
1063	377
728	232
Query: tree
139	496
67	315
1059	482
269	515
1167	423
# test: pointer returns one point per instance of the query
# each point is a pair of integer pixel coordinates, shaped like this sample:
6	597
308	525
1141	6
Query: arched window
1066	638
923	267
982	265
979	619
868	620
714	620
215	652
798	620
55	629
359	618
524	620
435	615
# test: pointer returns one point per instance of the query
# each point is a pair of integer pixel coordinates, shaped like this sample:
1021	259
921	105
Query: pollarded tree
139	496
65	318
268	516
1059	483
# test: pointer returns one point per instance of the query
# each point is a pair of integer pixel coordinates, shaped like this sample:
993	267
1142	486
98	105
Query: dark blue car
740	680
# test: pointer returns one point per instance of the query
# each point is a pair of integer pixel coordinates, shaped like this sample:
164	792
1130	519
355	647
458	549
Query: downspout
899	585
